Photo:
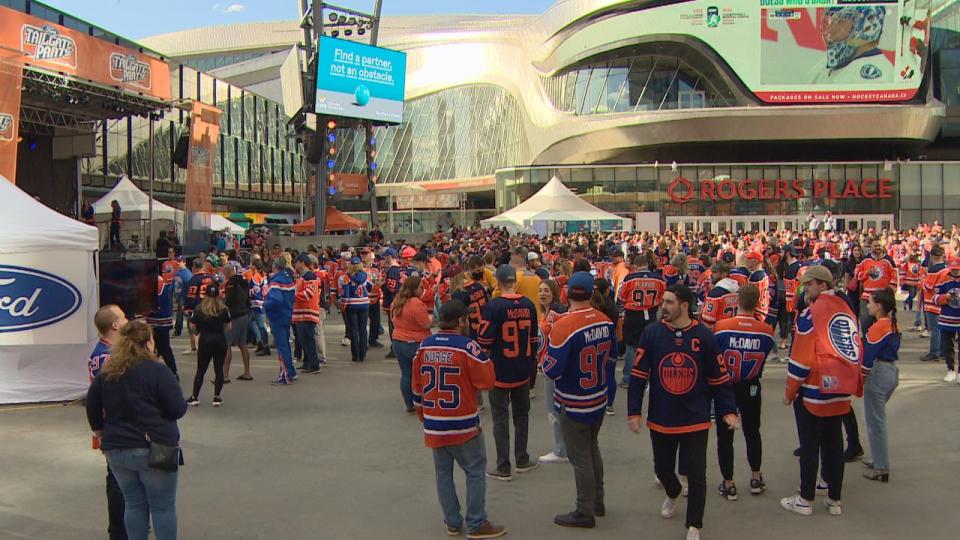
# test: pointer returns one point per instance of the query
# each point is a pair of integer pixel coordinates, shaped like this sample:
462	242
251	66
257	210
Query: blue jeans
559	447
258	328
146	492
357	331
281	338
934	329
405	351
877	390
471	456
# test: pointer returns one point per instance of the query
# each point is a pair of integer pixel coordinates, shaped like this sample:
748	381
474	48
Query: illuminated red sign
680	190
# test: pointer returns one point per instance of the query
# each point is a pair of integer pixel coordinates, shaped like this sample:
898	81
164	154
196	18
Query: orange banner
351	184
11	79
58	49
204	134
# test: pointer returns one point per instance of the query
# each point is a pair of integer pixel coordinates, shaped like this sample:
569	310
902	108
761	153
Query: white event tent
48	288
553	209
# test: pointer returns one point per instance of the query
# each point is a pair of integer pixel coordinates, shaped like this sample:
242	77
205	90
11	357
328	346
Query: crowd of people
693	318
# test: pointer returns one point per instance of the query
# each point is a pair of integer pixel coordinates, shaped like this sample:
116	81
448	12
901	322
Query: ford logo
32	299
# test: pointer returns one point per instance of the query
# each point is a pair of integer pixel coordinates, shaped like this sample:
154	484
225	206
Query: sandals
244	378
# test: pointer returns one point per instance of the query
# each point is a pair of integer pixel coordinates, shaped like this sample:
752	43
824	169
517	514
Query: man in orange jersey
448	371
824	372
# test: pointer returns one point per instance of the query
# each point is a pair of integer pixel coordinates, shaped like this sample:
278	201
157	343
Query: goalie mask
847	29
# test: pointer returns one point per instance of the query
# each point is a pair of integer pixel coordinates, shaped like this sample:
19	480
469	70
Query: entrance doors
752	224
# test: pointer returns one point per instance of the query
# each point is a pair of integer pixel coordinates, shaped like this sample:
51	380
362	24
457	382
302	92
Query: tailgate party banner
11	79
58	49
792	51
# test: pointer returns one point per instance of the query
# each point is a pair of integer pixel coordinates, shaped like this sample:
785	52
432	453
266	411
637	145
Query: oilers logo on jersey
953	299
678	373
875	272
843	336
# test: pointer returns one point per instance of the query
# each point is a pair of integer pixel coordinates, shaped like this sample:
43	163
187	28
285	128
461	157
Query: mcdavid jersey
197	290
685	374
743	343
474	296
581	344
448	370
825	357
510	333
98	358
642	291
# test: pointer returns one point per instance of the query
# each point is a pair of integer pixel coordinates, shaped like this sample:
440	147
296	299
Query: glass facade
634	83
254	155
462	132
919	192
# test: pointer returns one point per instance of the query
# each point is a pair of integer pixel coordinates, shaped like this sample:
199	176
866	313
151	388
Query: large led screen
360	81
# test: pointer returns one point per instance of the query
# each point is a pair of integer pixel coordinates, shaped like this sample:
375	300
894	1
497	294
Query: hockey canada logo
126	68
48	45
678	373
842	331
6	127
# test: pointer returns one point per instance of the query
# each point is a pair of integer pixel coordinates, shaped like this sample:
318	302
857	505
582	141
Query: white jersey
864	70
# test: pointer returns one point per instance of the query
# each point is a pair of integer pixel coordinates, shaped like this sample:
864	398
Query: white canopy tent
552	209
219	223
49	284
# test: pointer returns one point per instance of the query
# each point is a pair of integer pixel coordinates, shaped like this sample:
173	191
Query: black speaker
181	151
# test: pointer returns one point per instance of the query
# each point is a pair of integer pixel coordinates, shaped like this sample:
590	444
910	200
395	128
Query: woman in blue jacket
134	400
355	290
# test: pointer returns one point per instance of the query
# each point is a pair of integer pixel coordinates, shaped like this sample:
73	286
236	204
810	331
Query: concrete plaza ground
336	457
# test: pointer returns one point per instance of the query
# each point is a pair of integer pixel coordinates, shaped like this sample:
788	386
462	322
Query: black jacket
146	399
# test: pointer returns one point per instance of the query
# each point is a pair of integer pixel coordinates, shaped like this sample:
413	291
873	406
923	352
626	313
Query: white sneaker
345	342
951	376
553	458
656	480
693	533
686	488
925	334
797	504
833	506
669	508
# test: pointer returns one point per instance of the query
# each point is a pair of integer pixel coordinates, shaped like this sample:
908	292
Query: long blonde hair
407	291
211	307
130	350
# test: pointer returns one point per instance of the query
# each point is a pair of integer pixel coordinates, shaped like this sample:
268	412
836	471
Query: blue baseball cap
390	252
506	273
580	282
355	260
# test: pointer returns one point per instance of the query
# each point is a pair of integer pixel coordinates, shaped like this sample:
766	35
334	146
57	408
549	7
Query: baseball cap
390	252
817	272
542	273
532	256
954	263
506	273
355	260
580	282
421	257
616	252
212	290
453	310
408	252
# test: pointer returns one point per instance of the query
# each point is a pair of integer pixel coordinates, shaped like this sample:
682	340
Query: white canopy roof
554	202
28	225
219	223
132	199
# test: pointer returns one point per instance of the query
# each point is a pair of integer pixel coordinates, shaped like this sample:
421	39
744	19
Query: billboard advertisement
59	49
360	81
792	51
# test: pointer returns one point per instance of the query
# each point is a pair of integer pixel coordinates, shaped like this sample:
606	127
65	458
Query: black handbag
164	457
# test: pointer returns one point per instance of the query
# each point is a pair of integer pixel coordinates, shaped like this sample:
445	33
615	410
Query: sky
136	19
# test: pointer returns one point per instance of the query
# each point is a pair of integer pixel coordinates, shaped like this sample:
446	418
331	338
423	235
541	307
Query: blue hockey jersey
278	304
162	317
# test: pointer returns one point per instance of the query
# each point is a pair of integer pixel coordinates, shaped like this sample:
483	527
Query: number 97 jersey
743	343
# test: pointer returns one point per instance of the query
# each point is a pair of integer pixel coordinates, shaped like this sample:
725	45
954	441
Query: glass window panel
931	187
909	186
583	77
951	188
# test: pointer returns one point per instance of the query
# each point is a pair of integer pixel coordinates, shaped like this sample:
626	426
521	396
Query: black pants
115	508
693	450
747	394
583	449
374	323
502	400
306	333
820	437
853	432
161	337
786	322
210	350
947	348
114	235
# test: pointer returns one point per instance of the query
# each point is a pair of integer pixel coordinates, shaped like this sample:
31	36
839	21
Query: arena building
697	114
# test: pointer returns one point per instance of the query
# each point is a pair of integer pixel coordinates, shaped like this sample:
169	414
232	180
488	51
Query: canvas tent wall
48	271
554	208
135	210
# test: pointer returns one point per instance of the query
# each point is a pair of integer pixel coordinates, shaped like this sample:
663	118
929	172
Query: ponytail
886	300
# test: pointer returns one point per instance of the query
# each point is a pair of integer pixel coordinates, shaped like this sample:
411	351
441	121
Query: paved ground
335	457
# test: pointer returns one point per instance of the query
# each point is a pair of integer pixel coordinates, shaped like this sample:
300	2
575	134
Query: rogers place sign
680	190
